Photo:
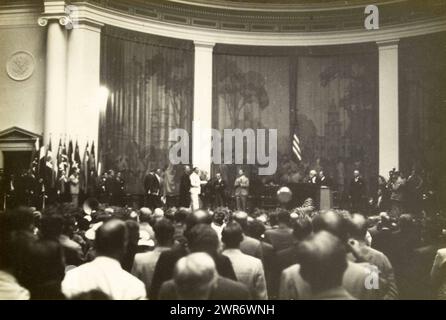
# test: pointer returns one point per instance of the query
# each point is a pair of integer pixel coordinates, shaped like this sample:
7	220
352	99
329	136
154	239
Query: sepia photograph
250	151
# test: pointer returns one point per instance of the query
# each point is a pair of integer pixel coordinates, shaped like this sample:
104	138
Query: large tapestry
251	92
337	115
150	80
328	101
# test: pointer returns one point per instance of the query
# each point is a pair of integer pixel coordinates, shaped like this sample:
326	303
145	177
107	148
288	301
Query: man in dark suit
289	256
323	180
282	236
195	278
357	192
200	238
152	187
249	245
219	191
185	188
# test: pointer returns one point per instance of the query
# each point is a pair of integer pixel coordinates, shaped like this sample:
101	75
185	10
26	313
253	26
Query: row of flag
54	166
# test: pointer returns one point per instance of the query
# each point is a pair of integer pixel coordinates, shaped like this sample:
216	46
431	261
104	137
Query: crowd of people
386	247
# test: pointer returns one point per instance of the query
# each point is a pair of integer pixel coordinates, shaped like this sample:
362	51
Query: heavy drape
422	98
328	100
337	115
150	80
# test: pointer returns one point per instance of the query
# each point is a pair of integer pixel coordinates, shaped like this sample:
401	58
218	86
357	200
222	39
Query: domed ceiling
292	16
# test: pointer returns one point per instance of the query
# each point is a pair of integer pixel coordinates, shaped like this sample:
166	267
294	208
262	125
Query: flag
49	166
70	156
35	158
92	161
85	169
42	165
76	158
62	169
296	147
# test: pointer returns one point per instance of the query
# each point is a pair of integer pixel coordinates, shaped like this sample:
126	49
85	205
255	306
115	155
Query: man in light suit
195	188
248	270
438	278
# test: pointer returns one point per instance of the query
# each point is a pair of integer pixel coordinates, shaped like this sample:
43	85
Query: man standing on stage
152	185
312	177
241	185
357	192
219	190
73	180
185	188
195	188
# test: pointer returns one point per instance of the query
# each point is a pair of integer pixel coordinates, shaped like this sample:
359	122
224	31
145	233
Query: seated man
195	278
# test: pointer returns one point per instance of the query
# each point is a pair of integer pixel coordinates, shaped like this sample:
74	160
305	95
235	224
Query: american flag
296	147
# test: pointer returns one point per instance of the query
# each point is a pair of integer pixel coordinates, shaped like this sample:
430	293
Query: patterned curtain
150	80
329	100
251	92
337	115
423	107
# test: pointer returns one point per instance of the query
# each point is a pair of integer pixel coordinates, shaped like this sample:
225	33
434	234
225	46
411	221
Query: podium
325	198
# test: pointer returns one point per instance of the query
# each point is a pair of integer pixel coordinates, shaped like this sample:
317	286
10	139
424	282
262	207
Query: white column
202	114
388	107
54	118
83	83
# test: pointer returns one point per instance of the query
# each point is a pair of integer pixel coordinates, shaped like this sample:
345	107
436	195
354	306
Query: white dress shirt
10	288
249	271
195	183
104	274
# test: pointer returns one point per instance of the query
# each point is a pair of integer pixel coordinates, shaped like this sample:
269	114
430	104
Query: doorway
15	162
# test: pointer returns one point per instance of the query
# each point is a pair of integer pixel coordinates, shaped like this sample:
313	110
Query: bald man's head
242	218
194	276
332	222
323	261
358	227
111	239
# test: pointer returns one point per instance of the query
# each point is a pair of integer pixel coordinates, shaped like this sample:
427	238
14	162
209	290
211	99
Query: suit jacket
166	264
152	184
225	289
281	238
251	246
294	287
334	294
184	191
249	271
326	181
357	189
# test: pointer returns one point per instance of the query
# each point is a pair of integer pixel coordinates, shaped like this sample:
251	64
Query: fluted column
388	107
56	53
202	114
83	98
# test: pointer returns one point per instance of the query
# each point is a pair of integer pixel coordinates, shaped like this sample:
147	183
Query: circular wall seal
20	66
